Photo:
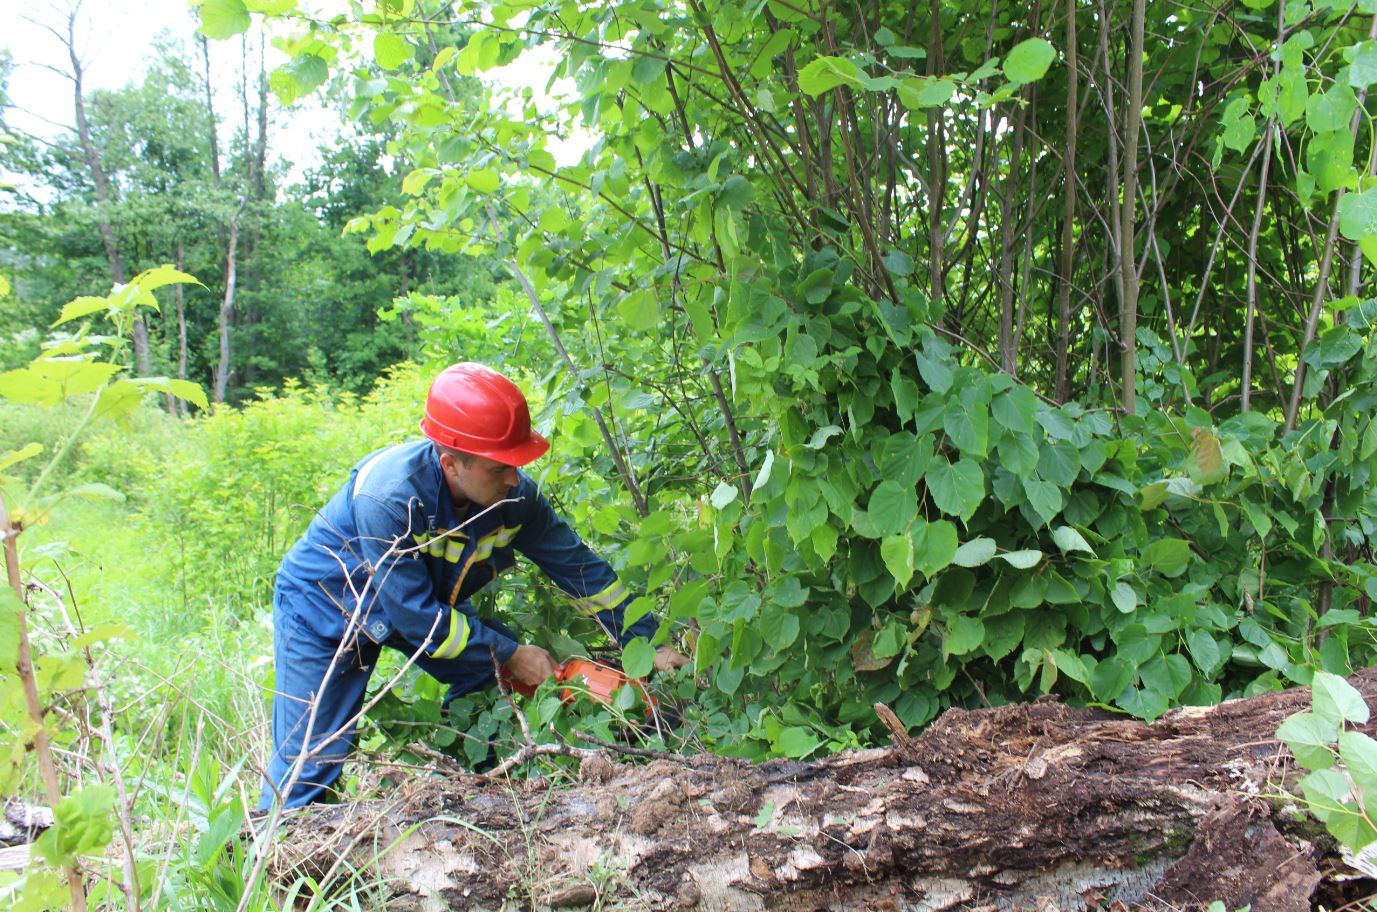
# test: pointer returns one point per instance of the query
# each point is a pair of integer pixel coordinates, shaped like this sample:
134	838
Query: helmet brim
534	447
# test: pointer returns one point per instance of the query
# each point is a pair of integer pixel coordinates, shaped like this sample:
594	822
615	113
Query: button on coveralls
390	562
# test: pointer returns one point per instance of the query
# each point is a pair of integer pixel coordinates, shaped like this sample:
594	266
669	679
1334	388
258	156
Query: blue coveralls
390	562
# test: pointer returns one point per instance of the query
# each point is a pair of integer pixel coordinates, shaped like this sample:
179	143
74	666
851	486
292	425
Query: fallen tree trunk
1033	806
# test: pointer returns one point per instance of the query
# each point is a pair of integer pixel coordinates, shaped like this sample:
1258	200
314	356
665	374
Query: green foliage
1342	763
37	671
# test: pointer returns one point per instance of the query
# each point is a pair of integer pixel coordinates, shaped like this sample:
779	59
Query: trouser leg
302	660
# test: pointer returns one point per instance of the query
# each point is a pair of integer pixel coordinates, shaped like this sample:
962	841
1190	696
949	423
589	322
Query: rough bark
1030	806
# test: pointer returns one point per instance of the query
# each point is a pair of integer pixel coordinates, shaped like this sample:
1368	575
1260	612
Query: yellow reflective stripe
458	637
446	543
482	550
607	598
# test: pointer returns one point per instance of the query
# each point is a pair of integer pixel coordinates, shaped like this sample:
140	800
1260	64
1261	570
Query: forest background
920	354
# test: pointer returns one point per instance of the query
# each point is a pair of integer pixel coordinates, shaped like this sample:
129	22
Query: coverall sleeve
405	592
582	575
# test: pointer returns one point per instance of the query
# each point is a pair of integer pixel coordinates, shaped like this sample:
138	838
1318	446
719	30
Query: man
393	560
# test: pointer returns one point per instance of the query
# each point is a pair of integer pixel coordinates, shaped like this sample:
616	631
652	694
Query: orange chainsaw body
597	680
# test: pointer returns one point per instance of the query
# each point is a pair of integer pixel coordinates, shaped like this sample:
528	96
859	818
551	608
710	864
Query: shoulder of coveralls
399	480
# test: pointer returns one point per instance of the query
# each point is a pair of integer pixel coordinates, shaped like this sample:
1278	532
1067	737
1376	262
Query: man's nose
510	478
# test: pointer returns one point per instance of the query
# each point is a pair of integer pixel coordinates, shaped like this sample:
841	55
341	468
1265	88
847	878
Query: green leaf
888	641
892	507
736	193
925	92
638	658
1359	755
1206	464
1029	60
1022	560
1068	540
797	742
14	457
1336	700
1308	736
391	50
1330	110
483	180
159	276
1044	497
957	488
1358	214
1326	791
1060	464
1016	410
779	628
825	73
966	421
936	370
1153	495
49	381
1362	68
1110	678
975	553
1205	651
1239	125
1124	597
897	553
640	309
964	635
182	389
301	77
1168	556
83	306
898	263
224	18
936	548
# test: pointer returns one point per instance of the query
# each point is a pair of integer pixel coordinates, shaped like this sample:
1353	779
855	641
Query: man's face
478	479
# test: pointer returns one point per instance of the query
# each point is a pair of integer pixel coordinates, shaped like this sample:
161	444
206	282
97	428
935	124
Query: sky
115	38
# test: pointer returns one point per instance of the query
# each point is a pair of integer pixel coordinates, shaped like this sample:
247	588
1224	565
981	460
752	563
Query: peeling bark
1031	806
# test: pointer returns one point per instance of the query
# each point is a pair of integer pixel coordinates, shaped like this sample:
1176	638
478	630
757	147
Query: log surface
1026	806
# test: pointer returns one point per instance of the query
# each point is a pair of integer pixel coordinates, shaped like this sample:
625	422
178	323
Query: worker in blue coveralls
393	560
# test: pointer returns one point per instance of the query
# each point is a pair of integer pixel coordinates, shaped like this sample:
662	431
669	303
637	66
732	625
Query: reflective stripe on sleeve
607	598
458	637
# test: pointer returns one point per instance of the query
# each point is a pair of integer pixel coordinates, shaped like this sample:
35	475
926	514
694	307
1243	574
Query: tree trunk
181	405
1128	304
1066	264
1034	806
222	369
100	181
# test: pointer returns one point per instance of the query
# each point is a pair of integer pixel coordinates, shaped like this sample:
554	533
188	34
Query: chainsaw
586	677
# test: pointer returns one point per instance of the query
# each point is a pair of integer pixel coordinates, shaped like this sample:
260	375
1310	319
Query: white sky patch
532	70
116	42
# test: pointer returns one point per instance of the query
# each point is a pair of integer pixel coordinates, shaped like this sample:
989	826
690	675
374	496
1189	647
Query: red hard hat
474	409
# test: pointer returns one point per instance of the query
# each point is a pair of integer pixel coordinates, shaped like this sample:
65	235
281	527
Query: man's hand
530	665
666	659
